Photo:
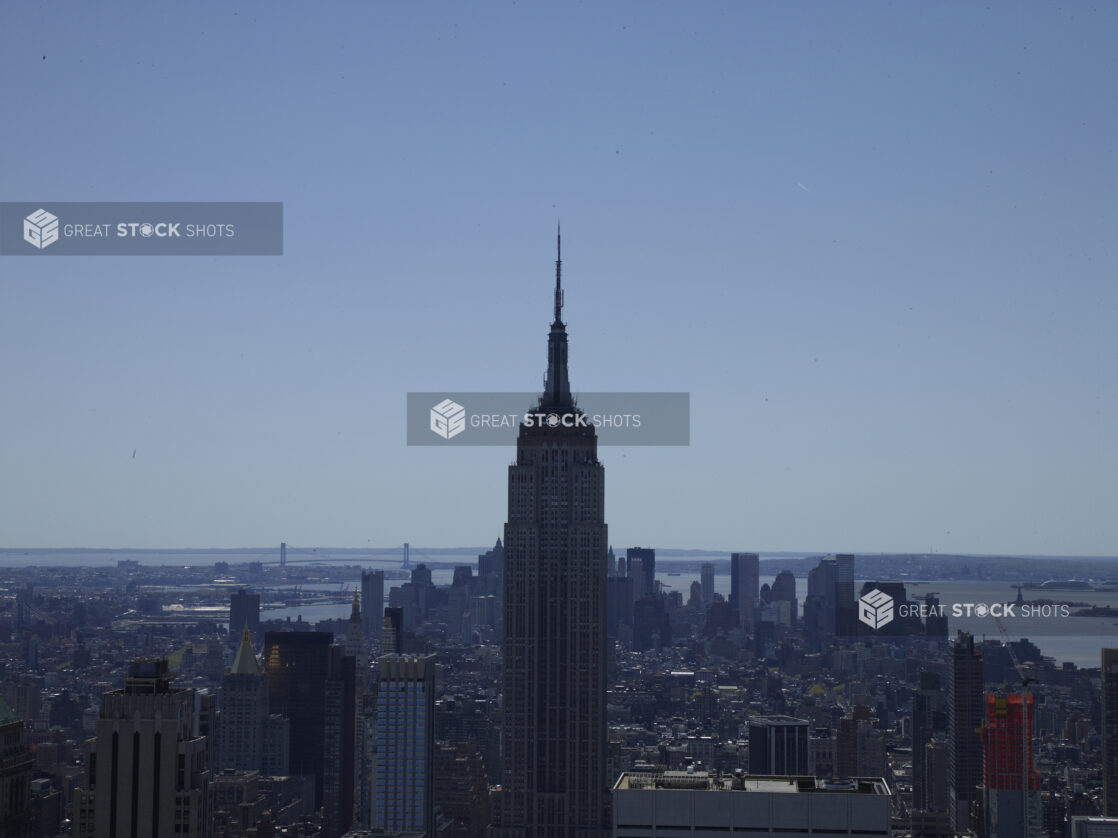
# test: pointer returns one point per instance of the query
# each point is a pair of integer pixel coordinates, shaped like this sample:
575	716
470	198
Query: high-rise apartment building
296	664
1011	785
554	782
403	779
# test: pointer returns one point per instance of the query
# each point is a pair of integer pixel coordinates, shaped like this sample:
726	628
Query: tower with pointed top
554	782
244	711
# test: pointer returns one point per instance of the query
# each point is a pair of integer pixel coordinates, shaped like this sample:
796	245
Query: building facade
403	777
745	578
146	773
1110	731
554	781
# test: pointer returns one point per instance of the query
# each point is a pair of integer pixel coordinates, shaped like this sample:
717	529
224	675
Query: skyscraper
706	574
778	745
1110	731
964	720
846	612
15	776
745	570
1011	785
146	772
244	712
554	724
244	609
641	562
296	663
339	741
372	604
403	782
929	715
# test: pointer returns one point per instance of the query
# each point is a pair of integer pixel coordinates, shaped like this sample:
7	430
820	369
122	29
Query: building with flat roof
672	804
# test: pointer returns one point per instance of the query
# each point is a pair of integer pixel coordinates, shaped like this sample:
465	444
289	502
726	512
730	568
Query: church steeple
556	388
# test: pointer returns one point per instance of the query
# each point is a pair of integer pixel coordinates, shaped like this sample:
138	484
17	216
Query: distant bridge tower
407	558
283	557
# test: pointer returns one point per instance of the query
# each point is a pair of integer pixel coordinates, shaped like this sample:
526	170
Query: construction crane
1026	744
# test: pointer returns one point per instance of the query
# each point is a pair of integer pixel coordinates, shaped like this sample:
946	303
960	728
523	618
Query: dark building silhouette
640	564
392	633
15	776
1110	731
619	607
244	610
846	611
554	782
652	627
929	716
339	741
372	604
784	590
964	720
778	745
745	578
296	664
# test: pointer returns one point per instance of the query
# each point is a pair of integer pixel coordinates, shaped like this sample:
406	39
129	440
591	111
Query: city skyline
871	242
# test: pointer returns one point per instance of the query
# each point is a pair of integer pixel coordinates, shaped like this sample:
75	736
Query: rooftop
706	781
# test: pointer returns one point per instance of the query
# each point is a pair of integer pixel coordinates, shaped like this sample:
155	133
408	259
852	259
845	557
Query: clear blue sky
875	241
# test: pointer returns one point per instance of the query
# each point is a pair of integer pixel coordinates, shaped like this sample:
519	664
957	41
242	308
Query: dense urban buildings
572	694
554	686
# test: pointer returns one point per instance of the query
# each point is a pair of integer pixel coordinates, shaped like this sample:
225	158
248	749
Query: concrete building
673	804
146	773
244	712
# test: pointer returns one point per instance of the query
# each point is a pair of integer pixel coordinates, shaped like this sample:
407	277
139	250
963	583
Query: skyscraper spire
558	274
556	389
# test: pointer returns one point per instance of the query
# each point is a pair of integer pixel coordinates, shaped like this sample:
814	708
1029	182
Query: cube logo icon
448	419
40	229
875	609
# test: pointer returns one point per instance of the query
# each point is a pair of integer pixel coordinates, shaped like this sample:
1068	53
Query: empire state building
554	782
